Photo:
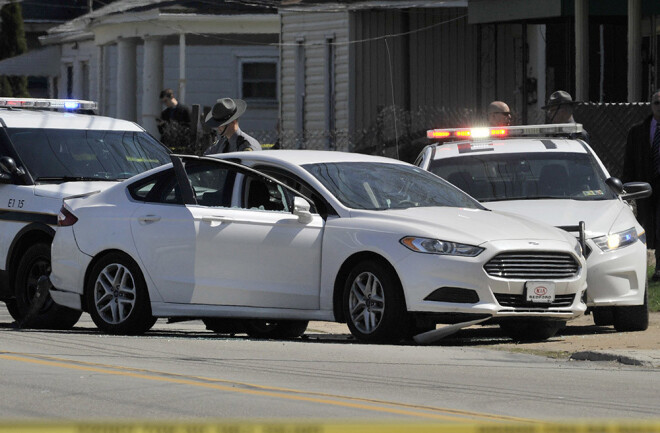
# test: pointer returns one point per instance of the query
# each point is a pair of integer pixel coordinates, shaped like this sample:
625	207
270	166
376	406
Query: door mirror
616	184
8	168
635	190
301	210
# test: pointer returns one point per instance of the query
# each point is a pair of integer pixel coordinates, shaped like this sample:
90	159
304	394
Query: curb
636	359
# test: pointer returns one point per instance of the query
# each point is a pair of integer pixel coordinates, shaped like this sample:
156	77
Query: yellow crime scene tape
327	427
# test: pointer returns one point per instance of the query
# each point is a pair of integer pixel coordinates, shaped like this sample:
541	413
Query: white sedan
271	240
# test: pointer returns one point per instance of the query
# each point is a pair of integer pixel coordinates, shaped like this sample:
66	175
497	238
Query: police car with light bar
547	173
48	151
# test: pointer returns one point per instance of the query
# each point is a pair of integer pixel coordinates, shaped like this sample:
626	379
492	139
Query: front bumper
616	278
422	274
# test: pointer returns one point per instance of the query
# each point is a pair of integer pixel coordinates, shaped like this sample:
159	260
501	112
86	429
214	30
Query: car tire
34	263
531	330
224	326
13	309
117	298
279	329
603	316
634	318
373	303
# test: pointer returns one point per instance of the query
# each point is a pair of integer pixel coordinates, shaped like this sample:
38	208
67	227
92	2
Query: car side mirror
635	190
8	168
301	209
616	184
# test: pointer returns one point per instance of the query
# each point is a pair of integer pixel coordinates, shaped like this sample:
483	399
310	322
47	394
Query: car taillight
66	218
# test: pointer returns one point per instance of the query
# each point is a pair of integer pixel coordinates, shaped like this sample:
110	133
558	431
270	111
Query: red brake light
65	218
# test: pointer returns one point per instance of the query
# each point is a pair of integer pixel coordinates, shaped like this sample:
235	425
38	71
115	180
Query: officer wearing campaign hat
224	118
559	109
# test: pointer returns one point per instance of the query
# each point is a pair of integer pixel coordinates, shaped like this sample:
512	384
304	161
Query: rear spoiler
86	194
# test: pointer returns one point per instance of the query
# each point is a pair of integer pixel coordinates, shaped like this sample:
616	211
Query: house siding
212	72
420	61
314	28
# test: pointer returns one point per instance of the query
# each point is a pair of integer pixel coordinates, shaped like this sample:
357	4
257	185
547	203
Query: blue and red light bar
504	131
66	104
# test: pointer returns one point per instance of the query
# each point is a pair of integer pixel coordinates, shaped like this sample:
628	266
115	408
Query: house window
85	80
300	89
330	92
259	80
69	81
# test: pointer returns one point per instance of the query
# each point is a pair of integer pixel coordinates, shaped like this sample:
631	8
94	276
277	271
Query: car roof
302	157
511	145
45	119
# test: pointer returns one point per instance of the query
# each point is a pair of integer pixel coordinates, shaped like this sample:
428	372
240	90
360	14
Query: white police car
542	172
47	155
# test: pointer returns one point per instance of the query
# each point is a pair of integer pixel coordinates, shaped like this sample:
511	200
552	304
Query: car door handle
217	218
147	219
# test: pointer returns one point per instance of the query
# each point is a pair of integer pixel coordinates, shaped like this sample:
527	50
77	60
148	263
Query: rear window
52	155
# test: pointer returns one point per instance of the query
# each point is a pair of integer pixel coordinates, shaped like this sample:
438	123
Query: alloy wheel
114	293
366	302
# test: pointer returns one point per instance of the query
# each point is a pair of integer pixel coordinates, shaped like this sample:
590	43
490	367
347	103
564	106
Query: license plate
540	291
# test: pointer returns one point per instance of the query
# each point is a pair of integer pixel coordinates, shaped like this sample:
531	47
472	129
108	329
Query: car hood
598	216
472	226
68	189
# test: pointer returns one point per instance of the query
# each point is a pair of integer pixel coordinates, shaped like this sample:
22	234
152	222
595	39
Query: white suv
547	173
47	155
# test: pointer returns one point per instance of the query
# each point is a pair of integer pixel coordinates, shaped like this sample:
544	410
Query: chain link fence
401	134
608	126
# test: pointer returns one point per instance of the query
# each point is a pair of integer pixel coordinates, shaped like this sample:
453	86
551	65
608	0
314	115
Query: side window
318	205
159	188
263	194
212	183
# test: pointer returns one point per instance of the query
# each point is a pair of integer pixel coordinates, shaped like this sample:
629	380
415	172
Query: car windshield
525	176
379	186
55	155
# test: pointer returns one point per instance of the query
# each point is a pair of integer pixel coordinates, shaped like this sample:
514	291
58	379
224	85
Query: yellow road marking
264	391
320	426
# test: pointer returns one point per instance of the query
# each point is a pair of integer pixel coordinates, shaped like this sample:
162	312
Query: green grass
654	292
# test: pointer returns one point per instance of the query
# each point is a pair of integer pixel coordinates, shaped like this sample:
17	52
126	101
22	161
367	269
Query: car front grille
532	265
519	301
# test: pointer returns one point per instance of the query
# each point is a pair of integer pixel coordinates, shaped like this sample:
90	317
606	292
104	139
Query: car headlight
436	246
615	241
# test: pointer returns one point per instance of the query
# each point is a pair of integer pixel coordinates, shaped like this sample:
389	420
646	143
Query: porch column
581	50
77	79
152	83
99	93
126	79
182	68
634	50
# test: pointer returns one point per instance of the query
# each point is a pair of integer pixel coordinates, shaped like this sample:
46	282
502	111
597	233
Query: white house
125	53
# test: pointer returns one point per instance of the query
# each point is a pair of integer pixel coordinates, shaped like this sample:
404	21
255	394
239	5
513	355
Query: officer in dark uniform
224	117
559	109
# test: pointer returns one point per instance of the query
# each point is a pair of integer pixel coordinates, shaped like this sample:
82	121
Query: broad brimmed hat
559	97
225	111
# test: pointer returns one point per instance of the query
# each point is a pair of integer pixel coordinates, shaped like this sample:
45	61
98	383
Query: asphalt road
181	371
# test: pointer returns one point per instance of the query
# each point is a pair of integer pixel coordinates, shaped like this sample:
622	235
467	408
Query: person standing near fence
559	109
499	114
224	117
641	163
